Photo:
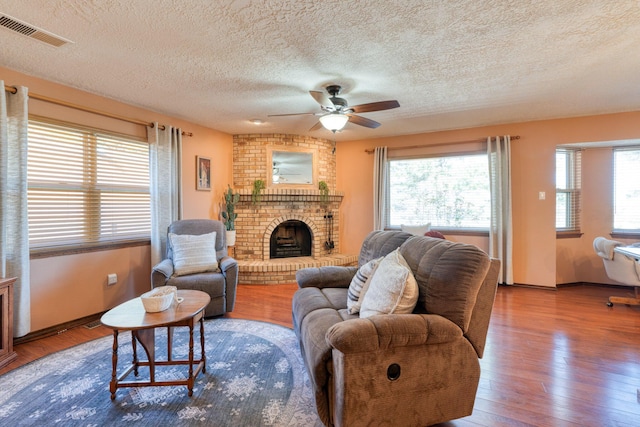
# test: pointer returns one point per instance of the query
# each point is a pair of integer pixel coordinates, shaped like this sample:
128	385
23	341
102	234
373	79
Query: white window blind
626	189
568	189
85	187
448	191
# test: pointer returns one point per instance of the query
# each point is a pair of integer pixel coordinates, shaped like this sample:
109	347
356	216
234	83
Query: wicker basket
159	299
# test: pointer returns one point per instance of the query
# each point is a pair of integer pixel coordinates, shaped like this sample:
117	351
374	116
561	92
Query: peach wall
536	251
69	287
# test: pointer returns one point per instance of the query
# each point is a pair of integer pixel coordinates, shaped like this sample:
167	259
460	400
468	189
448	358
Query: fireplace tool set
329	243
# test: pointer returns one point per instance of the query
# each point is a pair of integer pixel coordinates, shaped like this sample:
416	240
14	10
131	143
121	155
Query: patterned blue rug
255	377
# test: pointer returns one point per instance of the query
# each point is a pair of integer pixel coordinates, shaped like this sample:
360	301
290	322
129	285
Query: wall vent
31	31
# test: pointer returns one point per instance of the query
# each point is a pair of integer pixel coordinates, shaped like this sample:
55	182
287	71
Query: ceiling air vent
30	31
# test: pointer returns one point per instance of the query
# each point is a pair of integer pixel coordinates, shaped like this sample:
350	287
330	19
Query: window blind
85	186
568	189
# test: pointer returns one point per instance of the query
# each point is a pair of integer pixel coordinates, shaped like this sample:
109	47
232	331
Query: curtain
501	229
165	169
379	187
14	224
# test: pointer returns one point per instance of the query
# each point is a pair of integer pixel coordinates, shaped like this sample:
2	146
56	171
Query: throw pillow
357	284
392	289
434	233
193	254
416	230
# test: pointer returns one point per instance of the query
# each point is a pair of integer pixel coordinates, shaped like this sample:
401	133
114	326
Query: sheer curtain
379	186
500	232
165	170
14	224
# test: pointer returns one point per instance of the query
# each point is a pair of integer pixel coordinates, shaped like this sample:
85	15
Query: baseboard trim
601	285
57	329
526	285
567	285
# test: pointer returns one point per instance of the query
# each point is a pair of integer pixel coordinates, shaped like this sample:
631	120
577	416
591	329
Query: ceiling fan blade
316	127
363	121
294	114
321	98
374	106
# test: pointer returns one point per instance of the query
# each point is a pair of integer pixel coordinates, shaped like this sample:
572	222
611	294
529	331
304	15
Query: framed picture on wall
203	173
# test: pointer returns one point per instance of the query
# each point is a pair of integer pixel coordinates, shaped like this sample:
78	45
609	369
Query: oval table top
131	315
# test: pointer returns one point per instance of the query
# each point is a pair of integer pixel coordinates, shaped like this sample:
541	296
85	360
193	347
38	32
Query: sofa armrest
332	276
391	330
161	272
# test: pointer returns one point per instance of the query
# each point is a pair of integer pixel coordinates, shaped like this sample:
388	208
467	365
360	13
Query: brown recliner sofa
412	369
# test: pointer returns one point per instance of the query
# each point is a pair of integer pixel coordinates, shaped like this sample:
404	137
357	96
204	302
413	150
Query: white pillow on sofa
357	286
416	230
392	289
193	254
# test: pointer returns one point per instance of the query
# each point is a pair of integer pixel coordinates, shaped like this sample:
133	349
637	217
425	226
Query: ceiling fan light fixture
334	121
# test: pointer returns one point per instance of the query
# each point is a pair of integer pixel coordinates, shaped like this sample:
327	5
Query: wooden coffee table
131	316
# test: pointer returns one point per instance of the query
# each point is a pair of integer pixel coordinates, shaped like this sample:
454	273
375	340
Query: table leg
169	342
203	356
190	380
134	346
114	365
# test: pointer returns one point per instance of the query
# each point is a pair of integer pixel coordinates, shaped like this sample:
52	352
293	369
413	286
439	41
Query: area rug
254	377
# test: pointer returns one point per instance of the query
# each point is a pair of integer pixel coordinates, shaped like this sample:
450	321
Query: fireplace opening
291	238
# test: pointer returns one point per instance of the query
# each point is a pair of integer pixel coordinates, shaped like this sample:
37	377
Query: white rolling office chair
622	264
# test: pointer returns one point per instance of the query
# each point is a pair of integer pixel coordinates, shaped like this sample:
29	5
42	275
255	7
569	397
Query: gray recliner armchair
220	285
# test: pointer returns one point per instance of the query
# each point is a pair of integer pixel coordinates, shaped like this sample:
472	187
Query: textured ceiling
451	64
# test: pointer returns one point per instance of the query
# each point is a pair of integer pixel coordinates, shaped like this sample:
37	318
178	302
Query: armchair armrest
332	276
229	268
391	330
227	264
161	272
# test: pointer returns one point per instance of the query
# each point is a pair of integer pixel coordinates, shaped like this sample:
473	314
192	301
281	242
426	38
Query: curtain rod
12	89
410	147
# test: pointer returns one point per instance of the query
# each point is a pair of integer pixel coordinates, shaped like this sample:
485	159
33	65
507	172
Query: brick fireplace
284	205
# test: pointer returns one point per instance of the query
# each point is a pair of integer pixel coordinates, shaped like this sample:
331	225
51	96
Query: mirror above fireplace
293	167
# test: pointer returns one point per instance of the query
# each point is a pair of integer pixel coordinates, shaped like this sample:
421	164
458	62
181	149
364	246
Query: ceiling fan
336	112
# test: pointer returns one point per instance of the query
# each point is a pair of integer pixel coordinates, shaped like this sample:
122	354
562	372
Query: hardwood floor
553	357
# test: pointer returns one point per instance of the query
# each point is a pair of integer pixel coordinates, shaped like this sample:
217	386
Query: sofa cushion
449	275
363	274
210	282
193	253
392	288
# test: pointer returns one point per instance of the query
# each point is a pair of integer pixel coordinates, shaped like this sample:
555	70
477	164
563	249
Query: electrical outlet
112	279
542	195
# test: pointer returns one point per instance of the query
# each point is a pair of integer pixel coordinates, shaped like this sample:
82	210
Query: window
450	192
626	181
85	187
568	198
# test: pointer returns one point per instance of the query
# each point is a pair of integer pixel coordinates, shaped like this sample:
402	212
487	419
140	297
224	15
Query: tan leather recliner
398	369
